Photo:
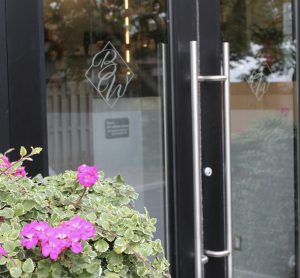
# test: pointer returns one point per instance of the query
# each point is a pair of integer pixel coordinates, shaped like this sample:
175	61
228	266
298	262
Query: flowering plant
77	224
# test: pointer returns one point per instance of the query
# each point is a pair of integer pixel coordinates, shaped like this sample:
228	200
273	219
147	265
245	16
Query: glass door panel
263	123
105	86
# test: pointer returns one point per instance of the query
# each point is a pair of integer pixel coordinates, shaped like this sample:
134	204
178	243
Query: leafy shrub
122	246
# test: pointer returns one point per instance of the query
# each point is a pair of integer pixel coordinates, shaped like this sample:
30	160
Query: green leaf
28	266
28	204
3	260
23	151
19	210
36	150
142	270
4	228
93	267
112	275
15	272
119	179
7	213
114	258
56	270
101	246
10	246
91	217
43	268
120	245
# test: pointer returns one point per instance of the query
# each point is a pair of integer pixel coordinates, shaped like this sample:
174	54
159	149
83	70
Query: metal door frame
23	97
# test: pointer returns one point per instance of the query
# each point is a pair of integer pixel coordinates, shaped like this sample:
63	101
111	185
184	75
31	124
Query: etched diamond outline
258	82
128	78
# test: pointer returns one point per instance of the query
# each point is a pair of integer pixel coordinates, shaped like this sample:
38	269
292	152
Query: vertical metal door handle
227	138
195	78
199	258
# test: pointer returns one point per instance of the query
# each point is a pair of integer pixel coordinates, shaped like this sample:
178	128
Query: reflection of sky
244	66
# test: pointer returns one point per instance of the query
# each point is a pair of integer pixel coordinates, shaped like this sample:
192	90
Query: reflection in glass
110	115
263	134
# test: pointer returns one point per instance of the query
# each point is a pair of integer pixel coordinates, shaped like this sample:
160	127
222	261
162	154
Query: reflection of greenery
260	23
243	21
81	28
234	26
272	34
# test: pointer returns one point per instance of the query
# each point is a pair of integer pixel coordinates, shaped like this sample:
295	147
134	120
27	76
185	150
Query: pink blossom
20	172
3	252
81	227
35	228
87	175
52	247
54	240
76	247
32	233
6	161
88	230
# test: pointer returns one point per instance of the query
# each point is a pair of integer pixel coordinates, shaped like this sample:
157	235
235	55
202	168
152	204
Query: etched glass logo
258	82
109	74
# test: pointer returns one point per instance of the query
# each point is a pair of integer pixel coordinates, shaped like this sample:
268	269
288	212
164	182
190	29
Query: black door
246	142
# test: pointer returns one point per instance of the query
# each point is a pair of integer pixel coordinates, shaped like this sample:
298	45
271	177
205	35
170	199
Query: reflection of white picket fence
69	125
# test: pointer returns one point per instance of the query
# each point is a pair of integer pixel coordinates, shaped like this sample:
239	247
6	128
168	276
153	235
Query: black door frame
4	103
23	96
205	29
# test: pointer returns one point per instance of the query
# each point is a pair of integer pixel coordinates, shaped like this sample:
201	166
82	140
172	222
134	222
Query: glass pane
263	98
104	87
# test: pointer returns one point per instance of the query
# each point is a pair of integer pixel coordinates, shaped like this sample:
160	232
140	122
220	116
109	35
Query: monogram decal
258	81
109	74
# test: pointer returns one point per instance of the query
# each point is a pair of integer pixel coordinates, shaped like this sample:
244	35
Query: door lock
208	171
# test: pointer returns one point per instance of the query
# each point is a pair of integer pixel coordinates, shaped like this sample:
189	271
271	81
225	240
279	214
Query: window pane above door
105	93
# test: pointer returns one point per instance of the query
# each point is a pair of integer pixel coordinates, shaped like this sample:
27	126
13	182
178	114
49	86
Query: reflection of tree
82	27
260	23
234	26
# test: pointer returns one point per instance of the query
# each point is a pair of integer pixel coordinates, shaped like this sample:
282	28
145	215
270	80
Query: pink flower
54	240
76	247
80	227
88	231
6	161
2	251
32	233
87	175
52	247
20	172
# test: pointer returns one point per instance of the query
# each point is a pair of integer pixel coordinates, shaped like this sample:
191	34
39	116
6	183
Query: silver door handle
200	258
195	78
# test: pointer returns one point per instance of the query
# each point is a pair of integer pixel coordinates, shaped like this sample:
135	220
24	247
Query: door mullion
4	104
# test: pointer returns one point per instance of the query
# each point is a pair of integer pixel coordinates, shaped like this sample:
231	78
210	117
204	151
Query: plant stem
80	198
